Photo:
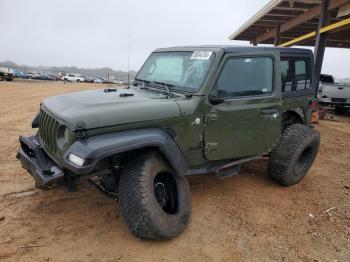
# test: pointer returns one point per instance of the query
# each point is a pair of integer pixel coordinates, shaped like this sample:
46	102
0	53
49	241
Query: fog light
76	160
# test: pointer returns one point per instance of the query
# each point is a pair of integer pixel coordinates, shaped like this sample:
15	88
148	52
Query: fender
95	148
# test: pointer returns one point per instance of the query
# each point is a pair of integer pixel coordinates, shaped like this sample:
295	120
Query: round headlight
62	136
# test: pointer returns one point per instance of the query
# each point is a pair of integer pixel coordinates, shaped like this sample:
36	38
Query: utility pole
320	41
129	62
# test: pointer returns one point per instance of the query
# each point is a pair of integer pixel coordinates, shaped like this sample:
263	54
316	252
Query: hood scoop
109	90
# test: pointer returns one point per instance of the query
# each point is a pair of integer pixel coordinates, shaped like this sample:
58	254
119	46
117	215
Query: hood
98	108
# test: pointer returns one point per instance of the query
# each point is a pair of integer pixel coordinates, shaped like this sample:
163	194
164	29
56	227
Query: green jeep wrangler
190	110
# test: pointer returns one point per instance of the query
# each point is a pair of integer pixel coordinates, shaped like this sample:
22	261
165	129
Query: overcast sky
95	33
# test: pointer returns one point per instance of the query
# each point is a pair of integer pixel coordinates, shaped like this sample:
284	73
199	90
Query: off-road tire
140	209
293	154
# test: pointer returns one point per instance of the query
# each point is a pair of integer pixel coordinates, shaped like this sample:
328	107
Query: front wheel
294	154
155	201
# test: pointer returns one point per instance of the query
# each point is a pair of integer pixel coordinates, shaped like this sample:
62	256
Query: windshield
184	71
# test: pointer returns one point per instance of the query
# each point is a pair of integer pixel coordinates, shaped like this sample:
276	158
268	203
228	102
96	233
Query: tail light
314	105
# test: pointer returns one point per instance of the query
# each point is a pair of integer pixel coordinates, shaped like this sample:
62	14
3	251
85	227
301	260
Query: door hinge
212	146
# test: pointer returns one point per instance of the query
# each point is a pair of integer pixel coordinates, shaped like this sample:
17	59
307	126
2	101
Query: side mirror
215	100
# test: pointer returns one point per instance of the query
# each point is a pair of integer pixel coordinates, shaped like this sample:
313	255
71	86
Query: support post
277	36
320	41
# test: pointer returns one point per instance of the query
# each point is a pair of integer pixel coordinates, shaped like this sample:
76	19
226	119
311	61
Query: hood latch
80	130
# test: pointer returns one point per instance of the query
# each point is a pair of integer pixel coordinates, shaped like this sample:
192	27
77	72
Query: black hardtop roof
238	49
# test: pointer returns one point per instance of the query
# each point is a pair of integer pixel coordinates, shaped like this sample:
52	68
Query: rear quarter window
295	74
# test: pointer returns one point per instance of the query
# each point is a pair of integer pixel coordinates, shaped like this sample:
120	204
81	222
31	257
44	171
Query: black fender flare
95	148
298	111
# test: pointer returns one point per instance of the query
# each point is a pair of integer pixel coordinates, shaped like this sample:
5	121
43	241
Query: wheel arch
97	148
291	117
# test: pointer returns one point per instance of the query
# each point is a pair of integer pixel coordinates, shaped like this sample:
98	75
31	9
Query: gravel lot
243	218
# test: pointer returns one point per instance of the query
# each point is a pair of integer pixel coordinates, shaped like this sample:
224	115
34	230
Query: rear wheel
294	154
155	201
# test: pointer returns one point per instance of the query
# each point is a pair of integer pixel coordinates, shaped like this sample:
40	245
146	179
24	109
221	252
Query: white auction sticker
204	55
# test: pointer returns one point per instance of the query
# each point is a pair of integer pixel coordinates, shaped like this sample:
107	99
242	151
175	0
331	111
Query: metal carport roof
295	22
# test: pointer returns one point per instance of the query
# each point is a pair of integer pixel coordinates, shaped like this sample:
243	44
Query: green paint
205	132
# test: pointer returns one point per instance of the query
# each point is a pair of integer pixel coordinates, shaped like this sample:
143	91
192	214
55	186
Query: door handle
270	111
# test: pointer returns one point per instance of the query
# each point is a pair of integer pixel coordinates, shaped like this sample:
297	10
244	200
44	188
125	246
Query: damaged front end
33	158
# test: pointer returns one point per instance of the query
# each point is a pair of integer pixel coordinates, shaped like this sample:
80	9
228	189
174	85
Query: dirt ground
243	218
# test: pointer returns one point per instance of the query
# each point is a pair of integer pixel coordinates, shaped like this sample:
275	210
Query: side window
246	76
302	75
295	74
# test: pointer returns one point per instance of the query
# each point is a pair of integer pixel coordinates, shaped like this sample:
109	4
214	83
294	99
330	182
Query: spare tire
155	201
293	154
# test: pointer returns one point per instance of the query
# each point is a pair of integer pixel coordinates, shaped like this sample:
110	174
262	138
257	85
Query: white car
74	78
98	80
31	75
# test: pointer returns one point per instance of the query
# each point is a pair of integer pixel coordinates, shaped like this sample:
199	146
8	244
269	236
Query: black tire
293	154
340	109
78	80
151	217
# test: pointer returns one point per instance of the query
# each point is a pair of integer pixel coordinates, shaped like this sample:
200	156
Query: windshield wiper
166	86
153	85
143	82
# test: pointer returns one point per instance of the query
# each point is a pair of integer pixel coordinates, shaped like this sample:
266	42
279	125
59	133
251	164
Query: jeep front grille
48	128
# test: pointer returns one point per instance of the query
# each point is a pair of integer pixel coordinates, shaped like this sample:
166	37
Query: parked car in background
47	77
74	78
334	94
19	74
324	80
121	82
32	75
118	82
59	77
98	80
89	79
6	73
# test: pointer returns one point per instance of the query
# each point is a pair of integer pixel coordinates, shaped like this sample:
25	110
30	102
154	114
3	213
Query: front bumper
33	158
